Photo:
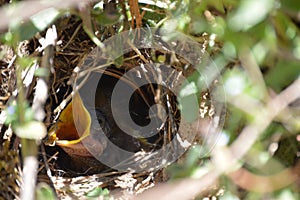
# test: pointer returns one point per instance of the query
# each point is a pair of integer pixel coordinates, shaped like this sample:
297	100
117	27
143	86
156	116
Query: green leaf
13	113
36	23
238	39
188	102
25	30
119	61
9	38
229	196
106	20
26	62
193	156
229	50
218	5
44	192
199	26
283	74
42	72
291	5
219	26
44	18
97	192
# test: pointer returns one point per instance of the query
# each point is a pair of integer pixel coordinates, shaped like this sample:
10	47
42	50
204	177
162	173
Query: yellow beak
71	127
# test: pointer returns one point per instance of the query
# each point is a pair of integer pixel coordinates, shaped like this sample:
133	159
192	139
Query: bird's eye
100	117
101	121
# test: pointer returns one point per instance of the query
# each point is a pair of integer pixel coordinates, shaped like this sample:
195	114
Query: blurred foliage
265	32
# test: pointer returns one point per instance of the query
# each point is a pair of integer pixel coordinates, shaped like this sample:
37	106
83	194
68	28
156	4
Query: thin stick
29	146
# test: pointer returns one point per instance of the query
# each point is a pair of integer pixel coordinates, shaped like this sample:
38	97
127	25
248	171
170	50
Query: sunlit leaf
250	13
31	130
44	18
235	82
287	194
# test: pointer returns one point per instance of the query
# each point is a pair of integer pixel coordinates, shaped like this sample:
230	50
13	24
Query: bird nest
67	175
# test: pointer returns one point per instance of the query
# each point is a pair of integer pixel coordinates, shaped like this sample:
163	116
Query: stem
20	97
30	169
29	146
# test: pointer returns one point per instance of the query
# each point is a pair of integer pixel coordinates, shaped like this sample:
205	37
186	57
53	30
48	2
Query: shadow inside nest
75	164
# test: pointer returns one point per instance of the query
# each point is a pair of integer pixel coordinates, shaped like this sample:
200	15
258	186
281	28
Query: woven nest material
76	46
10	177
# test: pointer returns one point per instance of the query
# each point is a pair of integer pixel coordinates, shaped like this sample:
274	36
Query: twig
72	37
41	93
29	146
137	51
135	14
251	66
125	20
87	26
46	165
29	177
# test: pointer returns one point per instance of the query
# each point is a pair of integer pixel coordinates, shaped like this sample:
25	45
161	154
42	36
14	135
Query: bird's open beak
71	127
